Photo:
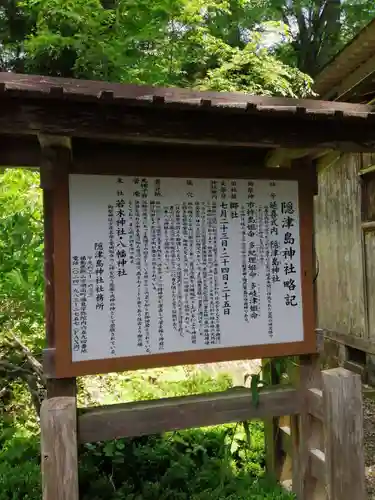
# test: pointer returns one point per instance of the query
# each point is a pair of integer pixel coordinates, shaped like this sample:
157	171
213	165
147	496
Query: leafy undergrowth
222	462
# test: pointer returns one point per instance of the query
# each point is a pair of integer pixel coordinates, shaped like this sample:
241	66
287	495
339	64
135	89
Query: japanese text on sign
164	265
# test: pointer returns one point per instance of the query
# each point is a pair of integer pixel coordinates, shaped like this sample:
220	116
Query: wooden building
345	220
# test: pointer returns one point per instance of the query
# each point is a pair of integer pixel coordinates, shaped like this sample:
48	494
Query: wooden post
309	435
59	462
56	158
343	420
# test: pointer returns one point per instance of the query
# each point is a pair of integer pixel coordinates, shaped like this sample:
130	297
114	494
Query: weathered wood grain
152	417
343	420
349	340
340	283
305	485
318	462
53	161
271	128
59	449
315	403
89	90
369	255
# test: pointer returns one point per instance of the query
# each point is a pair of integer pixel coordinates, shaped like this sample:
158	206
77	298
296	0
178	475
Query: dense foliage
205	43
224	462
21	254
178	42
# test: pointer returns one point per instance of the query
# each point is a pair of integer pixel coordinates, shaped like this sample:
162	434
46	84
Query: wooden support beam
284	157
153	417
310	377
58	420
286	439
54	141
92	156
54	159
316	456
269	128
368	226
327	160
315	403
318	464
343	420
355	78
367	170
348	340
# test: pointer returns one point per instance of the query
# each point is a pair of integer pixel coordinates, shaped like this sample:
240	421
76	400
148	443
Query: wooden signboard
181	268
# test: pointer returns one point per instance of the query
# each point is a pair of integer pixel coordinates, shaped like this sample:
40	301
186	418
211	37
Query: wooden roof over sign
350	68
31	86
31	105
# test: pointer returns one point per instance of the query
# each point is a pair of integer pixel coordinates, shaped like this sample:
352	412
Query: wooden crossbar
153	417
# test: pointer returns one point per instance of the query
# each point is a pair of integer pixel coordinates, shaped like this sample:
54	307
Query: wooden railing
317	442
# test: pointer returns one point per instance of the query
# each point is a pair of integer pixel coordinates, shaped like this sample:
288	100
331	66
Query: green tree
318	29
21	254
168	42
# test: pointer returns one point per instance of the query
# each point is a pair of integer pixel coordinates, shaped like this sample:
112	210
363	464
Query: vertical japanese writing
157	190
289	252
251	230
178	268
99	271
205	285
233	203
138	267
76	305
112	273
192	292
199	266
185	266
121	253
268	270
245	293
83	301
167	230
216	296
154	249
160	288
253	261
90	280
261	235
211	264
213	190
224	251
173	268
193	263
145	277
131	231
274	233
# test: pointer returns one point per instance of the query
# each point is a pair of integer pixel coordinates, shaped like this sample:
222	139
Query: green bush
199	464
19	462
20	482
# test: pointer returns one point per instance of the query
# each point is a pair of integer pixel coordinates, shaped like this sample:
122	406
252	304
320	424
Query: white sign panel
161	265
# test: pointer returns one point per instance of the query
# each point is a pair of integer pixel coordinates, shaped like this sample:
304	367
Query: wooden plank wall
370	278
340	285
368	215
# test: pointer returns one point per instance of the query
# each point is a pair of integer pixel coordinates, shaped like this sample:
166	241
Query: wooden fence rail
319	428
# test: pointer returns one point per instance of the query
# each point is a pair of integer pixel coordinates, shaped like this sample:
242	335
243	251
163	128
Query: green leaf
255	379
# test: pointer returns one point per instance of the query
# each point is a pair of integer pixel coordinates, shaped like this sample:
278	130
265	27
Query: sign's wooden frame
63	364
